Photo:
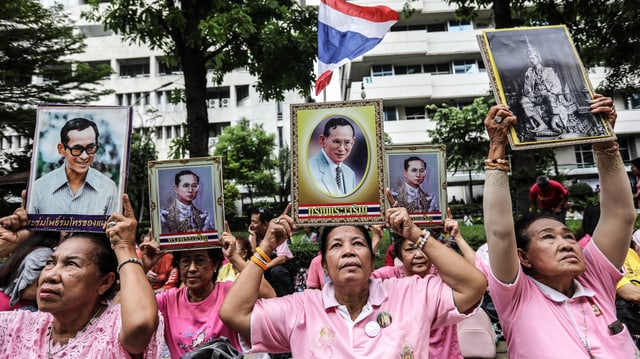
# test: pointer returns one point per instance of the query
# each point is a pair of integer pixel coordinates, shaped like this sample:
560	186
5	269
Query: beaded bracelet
259	262
130	260
495	161
609	151
423	239
262	254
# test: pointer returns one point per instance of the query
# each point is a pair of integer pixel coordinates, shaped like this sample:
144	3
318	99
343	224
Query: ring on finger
395	204
277	220
111	224
498	119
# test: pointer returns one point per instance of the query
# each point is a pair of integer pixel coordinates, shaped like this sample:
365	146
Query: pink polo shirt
443	342
190	324
540	322
311	324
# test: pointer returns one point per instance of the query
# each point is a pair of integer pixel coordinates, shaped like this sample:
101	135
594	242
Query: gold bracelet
609	151
503	168
262	254
259	262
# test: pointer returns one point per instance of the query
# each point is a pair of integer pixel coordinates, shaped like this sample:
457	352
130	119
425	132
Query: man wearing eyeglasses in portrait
327	167
75	187
182	216
410	193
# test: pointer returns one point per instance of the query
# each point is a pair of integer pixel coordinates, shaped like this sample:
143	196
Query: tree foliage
605	32
462	131
275	40
247	158
35	42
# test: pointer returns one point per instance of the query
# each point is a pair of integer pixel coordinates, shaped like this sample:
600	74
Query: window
400	28
439	27
215	129
584	156
455	25
242	92
465	67
165	69
415	113
633	101
389	114
382	70
407	69
623	143
159	135
134	67
437	69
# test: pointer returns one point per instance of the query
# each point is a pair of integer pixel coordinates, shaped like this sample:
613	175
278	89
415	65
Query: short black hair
78	124
411	159
335	122
263	214
176	180
215	254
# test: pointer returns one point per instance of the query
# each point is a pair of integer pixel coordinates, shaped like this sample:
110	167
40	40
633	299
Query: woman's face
348	256
553	250
414	260
70	281
197	269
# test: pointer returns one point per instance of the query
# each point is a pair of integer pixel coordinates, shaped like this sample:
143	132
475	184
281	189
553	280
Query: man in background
75	187
549	197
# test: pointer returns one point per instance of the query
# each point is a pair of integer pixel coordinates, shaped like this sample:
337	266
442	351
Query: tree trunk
470	201
195	80
502	13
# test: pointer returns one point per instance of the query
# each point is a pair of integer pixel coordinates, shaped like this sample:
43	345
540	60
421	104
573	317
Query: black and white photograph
539	75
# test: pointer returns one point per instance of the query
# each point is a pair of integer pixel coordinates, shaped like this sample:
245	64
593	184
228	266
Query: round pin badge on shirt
384	319
372	329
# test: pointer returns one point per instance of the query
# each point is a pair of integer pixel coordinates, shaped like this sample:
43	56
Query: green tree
35	42
605	32
462	131
274	39
247	158
143	150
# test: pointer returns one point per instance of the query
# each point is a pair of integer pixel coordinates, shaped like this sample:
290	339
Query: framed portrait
79	166
337	163
417	178
537	72
187	203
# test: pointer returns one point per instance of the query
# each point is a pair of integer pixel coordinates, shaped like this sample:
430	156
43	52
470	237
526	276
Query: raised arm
452	227
613	231
466	281
139	311
237	306
228	242
498	215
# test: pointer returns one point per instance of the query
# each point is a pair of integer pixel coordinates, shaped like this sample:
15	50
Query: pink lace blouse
24	334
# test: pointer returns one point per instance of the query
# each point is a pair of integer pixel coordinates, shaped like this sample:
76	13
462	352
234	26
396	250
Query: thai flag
346	31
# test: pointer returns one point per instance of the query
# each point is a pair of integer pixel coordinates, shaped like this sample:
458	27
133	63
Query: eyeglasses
194	186
337	143
198	261
77	149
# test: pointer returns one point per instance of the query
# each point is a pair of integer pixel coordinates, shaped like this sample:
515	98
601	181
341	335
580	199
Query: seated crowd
104	295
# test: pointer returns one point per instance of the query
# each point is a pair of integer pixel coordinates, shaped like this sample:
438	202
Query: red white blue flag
347	31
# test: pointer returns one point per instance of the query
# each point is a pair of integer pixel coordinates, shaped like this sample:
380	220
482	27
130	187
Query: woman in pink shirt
354	316
76	318
555	300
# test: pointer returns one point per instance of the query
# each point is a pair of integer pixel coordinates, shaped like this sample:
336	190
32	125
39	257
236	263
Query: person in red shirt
549	197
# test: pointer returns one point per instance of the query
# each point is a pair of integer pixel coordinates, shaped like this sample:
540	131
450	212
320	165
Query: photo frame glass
417	178
538	73
79	166
186	202
337	164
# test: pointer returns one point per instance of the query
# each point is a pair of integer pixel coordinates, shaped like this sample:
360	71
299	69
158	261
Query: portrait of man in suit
327	167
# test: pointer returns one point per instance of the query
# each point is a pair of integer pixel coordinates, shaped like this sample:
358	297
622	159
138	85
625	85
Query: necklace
51	354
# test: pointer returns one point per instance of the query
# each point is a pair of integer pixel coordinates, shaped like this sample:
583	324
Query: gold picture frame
316	199
404	165
538	73
171	191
